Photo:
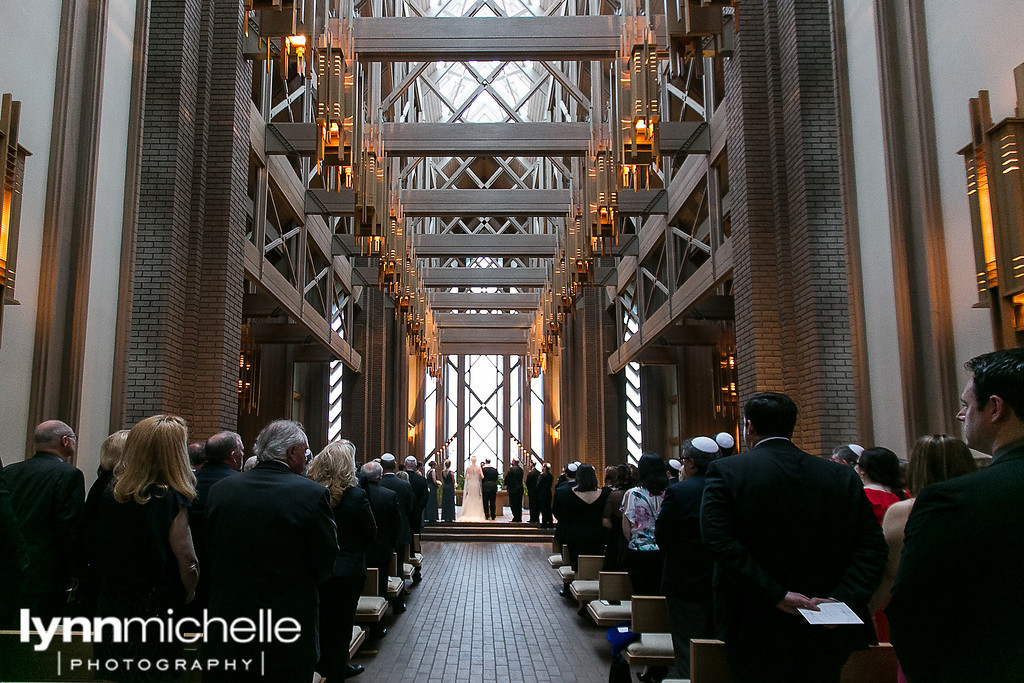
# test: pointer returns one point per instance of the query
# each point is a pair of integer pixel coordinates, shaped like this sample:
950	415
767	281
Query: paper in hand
831	614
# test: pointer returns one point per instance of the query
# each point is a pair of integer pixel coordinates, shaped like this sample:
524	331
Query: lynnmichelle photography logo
257	634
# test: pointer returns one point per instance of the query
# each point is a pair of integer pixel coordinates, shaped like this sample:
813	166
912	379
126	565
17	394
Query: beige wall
30	29
971	46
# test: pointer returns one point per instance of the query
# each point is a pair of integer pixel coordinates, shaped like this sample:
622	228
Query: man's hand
794	601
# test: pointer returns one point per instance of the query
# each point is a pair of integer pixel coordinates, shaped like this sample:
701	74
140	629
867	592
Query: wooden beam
508	246
472	203
486	139
478	349
450	301
416	39
299	139
484	320
484	277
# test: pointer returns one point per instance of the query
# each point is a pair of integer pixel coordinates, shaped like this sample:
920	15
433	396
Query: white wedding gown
472	496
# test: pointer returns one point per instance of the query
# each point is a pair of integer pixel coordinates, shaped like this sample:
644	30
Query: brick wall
188	278
792	309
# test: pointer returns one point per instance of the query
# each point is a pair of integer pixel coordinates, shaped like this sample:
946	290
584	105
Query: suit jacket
688	565
406	501
384	503
490	482
421	493
357	529
48	500
207	475
271	541
957	607
777	519
514	479
13	552
531	482
544	487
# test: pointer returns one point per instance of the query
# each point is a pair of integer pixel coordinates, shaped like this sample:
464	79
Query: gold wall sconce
12	171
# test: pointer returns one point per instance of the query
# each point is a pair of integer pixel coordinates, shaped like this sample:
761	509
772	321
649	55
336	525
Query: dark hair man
957	607
788	531
406	504
223	458
271	540
686	577
544	483
48	500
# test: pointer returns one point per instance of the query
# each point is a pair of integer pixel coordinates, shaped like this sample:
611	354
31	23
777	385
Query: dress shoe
354	670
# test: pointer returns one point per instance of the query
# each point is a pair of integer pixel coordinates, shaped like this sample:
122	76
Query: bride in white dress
472	494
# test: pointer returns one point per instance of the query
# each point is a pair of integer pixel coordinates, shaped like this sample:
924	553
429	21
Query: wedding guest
544	495
433	483
615	555
196	455
145	562
335	468
420	492
640	508
579	511
111	452
726	444
48	500
384	503
514	486
879	469
448	493
847	454
531	494
406	501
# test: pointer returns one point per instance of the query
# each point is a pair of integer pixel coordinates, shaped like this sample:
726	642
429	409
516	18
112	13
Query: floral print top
642	509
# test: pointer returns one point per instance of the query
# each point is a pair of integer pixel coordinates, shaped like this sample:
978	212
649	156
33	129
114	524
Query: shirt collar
771	438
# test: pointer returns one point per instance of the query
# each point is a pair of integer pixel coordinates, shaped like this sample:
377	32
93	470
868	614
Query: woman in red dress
879	469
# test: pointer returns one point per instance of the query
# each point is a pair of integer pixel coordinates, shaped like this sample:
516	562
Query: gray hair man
271	541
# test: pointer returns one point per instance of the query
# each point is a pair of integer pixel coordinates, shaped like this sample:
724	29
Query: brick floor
488	612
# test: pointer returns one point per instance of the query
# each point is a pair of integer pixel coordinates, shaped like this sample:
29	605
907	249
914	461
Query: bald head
372	471
54	436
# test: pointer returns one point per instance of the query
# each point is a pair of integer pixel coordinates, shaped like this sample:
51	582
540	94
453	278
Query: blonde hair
155	453
335	468
112	449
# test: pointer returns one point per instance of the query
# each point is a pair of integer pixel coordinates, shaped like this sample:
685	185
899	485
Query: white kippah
387	457
725	440
705	444
410	461
857	450
573	467
675	464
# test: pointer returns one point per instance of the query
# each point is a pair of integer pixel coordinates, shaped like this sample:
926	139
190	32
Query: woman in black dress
448	493
580	511
335	468
430	510
145	562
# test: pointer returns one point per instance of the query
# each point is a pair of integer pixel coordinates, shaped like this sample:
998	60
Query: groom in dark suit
957	608
788	531
490	489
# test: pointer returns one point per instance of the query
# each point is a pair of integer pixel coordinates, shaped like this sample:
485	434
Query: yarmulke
572	467
725	440
675	464
410	461
857	450
387	457
705	444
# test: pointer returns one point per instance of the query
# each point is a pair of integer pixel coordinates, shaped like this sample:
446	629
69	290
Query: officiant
490	489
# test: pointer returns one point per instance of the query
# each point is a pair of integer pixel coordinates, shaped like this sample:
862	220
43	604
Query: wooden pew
565	570
586	586
555	560
613	605
650	620
372	607
877	664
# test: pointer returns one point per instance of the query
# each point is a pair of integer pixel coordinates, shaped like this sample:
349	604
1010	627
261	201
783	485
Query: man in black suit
406	503
271	541
385	511
788	531
514	486
686	578
489	486
957	607
531	494
420	494
544	482
13	554
568	477
48	500
223	455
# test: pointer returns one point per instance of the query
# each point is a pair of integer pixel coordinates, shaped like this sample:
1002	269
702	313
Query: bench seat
603	613
371	609
653	649
584	591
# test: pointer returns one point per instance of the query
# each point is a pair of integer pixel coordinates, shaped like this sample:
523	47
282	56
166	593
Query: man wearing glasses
48	497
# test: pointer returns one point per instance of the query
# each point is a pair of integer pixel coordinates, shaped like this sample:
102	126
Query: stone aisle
488	612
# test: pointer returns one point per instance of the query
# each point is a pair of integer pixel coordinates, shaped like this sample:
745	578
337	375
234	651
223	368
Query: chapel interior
551	230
